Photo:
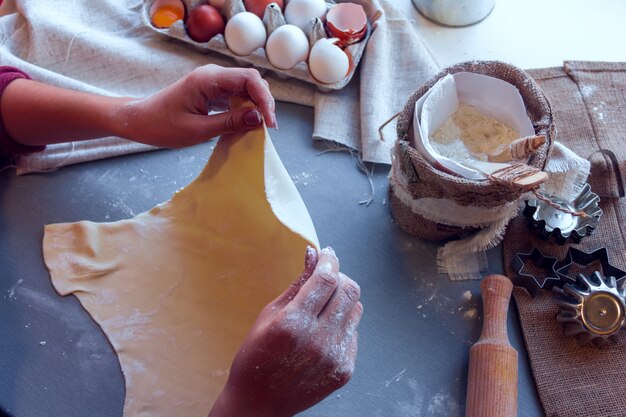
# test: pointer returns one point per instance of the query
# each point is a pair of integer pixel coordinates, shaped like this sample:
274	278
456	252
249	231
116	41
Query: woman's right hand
302	347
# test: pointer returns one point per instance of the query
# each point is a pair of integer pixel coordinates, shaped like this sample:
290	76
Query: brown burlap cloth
424	180
589	107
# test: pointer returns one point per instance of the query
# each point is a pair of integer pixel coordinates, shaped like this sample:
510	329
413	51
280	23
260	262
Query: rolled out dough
176	289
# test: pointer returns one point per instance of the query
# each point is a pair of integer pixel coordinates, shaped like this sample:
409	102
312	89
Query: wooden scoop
519	149
520	175
492	379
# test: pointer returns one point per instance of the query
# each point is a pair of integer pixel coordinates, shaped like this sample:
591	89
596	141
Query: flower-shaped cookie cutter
593	310
547	220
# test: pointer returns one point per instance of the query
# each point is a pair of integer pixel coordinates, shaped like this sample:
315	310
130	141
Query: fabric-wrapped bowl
416	186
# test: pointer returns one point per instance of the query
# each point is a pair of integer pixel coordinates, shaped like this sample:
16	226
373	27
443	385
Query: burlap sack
424	181
575	380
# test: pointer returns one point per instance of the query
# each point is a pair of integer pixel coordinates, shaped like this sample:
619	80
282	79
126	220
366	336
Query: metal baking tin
548	221
593	310
576	256
532	283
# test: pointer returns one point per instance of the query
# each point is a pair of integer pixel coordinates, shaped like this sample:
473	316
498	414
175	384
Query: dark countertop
416	330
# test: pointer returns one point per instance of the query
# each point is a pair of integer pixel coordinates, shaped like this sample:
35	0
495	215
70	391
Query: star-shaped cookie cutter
576	256
531	283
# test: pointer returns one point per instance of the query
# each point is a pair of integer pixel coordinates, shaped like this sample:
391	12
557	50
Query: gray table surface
416	330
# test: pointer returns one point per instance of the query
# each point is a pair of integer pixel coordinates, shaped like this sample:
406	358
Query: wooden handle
492	380
519	149
518	174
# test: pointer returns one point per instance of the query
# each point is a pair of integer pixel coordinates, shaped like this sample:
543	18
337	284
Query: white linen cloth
102	46
467	258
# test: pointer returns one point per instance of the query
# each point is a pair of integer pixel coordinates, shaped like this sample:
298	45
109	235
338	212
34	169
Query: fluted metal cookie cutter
530	282
548	221
593	310
584	259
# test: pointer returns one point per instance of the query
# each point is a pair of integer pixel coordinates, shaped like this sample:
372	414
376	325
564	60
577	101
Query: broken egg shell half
164	13
245	33
348	22
328	63
301	12
287	46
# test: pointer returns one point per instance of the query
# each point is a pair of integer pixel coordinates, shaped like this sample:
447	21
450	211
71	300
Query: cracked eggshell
328	63
301	12
164	13
348	22
245	33
287	46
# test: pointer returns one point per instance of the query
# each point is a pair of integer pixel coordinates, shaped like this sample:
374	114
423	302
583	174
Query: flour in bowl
469	134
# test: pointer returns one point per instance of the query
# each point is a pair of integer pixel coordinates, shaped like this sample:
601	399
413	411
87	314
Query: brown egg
204	22
258	6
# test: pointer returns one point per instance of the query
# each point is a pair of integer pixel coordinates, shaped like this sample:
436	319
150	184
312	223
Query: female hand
302	347
35	113
177	115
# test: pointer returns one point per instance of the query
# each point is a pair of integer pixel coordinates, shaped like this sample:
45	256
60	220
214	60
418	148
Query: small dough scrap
177	288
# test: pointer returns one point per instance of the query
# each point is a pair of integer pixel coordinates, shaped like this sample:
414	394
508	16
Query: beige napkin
396	62
102	46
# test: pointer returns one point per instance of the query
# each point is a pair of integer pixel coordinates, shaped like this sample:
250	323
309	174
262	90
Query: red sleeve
9	147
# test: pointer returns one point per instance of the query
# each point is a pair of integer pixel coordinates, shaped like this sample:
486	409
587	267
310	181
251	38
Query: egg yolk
166	16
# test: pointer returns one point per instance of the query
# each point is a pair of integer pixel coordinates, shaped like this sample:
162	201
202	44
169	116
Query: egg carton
258	58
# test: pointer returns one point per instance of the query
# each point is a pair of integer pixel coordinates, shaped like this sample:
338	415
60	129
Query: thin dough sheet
176	289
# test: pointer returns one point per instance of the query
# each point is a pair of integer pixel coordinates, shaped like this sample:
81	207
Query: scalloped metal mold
548	221
593	310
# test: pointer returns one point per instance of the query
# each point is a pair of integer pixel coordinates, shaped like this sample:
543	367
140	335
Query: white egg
328	63
287	46
245	33
300	12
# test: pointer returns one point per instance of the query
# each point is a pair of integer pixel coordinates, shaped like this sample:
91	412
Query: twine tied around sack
518	171
380	129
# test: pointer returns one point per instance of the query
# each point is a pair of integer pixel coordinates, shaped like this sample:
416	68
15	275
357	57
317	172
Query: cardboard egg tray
258	59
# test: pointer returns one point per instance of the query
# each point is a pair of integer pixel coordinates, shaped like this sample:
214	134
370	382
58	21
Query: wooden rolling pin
492	380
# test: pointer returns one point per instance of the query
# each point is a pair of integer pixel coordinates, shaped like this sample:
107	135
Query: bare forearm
34	113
